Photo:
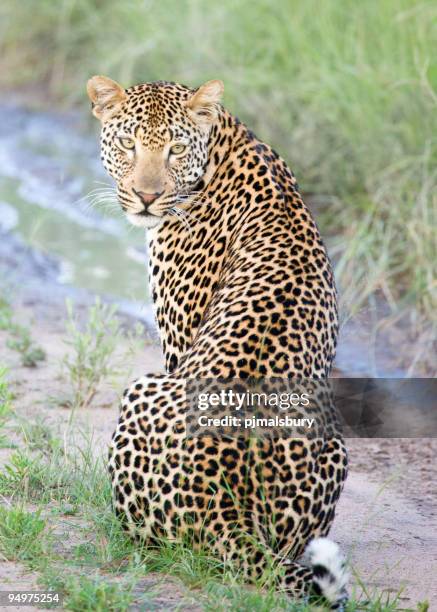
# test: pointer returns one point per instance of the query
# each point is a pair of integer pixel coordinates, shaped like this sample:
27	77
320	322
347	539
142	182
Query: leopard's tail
329	573
319	573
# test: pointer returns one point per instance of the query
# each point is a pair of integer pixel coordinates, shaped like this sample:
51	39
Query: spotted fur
242	287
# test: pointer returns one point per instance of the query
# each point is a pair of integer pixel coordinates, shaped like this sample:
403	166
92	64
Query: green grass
95	595
346	91
22	536
38	435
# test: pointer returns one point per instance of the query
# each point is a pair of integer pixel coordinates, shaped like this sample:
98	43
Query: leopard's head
154	142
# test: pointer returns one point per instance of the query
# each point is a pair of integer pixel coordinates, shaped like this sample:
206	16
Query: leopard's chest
184	268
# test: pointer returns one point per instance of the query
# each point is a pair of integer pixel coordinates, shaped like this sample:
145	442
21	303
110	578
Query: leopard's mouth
144	219
154	214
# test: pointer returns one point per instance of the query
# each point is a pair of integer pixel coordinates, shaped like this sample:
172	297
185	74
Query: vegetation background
344	90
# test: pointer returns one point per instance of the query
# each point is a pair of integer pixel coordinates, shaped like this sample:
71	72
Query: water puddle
47	168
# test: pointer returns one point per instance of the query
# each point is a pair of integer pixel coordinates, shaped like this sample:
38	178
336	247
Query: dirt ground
386	517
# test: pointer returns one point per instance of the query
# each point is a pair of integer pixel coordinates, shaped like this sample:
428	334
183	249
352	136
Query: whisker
187	214
104	183
178	213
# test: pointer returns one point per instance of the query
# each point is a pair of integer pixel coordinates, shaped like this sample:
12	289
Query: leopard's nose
147	198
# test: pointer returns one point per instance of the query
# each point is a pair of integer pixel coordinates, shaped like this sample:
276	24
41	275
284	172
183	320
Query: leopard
242	289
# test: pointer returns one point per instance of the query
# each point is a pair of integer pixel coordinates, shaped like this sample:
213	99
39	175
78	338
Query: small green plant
95	595
38	436
92	349
22	476
22	536
20	340
31	354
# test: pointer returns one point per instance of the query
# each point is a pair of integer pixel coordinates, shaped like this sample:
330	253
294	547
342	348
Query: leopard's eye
127	143
177	149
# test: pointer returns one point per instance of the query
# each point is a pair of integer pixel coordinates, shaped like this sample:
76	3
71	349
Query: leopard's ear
204	104
106	96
